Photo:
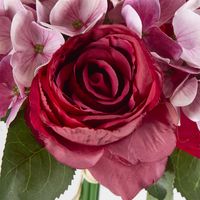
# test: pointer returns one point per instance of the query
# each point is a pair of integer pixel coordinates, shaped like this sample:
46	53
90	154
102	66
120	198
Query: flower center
77	24
39	48
15	90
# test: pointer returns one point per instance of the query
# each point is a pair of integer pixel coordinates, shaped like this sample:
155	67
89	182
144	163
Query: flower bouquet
107	86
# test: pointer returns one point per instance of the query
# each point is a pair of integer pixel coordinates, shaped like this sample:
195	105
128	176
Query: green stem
89	191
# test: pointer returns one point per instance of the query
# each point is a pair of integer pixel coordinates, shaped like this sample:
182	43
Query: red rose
96	106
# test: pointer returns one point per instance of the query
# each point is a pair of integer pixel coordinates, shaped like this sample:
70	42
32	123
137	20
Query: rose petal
66	152
90	136
192	111
5	41
132	19
185	93
187	33
155	135
188	137
162	44
125	179
74	17
149	11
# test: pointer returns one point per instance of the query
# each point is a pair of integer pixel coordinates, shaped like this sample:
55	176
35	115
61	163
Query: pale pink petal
132	19
34	46
21	87
24	65
21	31
2	10
124	179
192	111
162	44
14	110
74	17
149	11
154	140
43	9
185	93
13	7
50	39
168	9
5	41
187	32
191	5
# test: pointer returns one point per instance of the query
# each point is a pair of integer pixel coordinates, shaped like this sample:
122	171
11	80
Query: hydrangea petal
2	10
149	11
20	31
5	41
192	111
13	7
6	85
43	9
24	65
168	9
74	17
26	36
162	44
185	93
14	110
132	19
187	33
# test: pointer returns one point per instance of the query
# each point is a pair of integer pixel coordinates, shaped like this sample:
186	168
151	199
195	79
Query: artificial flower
187	32
9	93
144	18
96	106
33	46
72	17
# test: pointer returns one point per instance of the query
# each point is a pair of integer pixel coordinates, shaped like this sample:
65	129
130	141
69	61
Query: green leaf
29	172
163	189
187	174
149	197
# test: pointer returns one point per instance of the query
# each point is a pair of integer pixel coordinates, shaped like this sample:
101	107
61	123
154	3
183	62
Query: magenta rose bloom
97	105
